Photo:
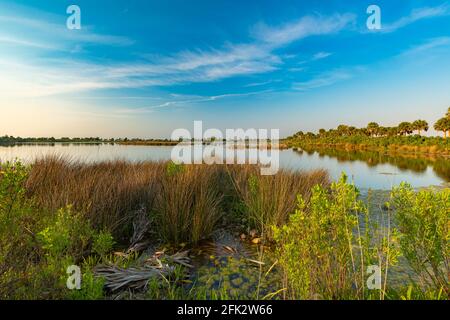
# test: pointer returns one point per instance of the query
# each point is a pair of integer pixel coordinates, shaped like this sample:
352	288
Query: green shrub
103	243
37	245
415	292
67	233
173	168
19	222
423	218
91	288
323	250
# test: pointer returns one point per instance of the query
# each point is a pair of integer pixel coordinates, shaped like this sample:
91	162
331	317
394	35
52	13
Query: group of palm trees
443	124
373	129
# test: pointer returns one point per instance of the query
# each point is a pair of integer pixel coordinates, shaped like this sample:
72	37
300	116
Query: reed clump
268	200
108	193
188	204
185	202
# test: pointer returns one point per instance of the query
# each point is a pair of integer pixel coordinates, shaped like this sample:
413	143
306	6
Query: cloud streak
430	44
304	27
417	15
187	100
326	79
48	35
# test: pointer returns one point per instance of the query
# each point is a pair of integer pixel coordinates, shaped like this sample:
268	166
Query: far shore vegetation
11	140
405	138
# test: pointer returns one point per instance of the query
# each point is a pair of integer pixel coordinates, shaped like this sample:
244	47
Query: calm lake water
368	170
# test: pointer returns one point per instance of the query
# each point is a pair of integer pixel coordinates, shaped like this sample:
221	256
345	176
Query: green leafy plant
91	288
423	219
103	243
37	244
173	168
67	234
322	249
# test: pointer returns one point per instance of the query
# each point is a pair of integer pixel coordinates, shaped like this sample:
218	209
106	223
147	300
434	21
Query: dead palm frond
137	278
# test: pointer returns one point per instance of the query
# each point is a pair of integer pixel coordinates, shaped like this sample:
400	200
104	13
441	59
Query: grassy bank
106	217
393	145
374	137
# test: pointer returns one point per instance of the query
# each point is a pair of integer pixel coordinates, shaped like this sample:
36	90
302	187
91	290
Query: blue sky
143	69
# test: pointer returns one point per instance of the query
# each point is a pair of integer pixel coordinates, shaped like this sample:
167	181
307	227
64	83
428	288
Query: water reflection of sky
380	176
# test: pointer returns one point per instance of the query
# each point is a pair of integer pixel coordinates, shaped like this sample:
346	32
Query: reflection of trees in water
418	164
442	169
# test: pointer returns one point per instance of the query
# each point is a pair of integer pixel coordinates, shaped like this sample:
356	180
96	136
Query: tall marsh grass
185	202
108	193
269	200
188	204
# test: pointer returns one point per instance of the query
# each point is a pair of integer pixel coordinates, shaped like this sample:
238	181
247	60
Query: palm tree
364	131
420	125
332	132
405	128
342	129
382	131
373	127
448	113
443	125
351	130
392	131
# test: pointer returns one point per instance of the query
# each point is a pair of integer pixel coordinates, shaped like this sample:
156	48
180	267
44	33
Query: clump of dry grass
108	192
270	199
185	202
188	205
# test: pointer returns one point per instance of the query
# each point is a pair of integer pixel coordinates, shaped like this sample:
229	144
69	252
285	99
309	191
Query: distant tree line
12	139
373	129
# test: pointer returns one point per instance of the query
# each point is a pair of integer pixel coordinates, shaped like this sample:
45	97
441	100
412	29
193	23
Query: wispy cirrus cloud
304	27
180	100
315	57
417	15
48	33
428	45
13	40
44	77
262	83
321	55
327	78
